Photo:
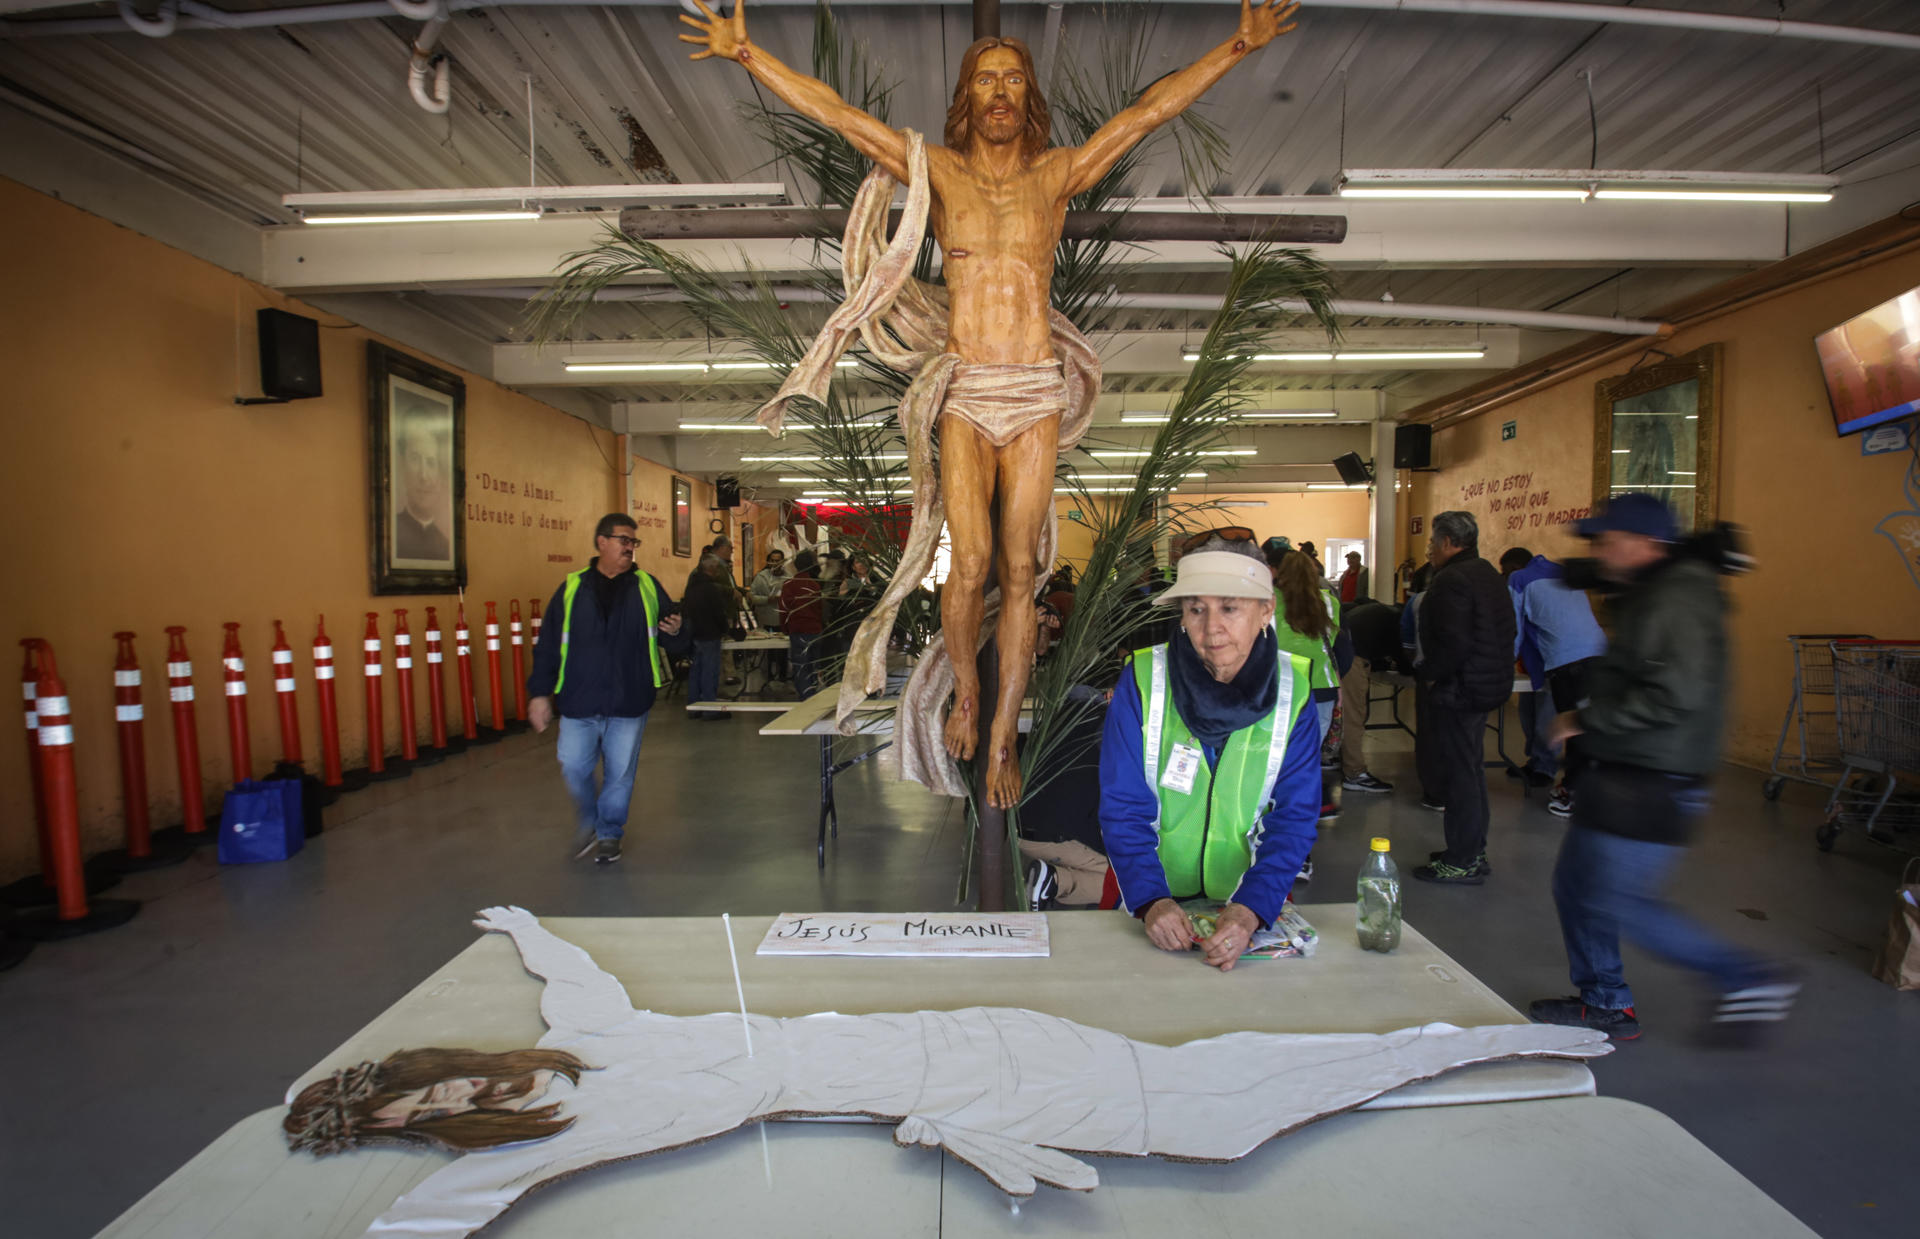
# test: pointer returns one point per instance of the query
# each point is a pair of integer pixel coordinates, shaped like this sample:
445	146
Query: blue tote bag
261	822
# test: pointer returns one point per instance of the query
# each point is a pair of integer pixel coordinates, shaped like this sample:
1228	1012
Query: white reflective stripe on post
493	643
236	688
53	707
463	651
515	626
234	664
283	656
403	662
56	737
127	714
462	634
433	656
403	638
433	634
371	645
127	679
28	690
373	669
179	671
323	673
323	651
283	686
493	630
33	720
181	692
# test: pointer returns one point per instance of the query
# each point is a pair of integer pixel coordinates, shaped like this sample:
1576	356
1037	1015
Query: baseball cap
1277	545
1633	512
1222	574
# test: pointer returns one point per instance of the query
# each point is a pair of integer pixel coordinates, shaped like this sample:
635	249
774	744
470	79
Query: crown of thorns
333	1124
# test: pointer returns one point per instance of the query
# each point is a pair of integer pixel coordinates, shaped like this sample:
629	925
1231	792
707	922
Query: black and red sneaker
1619	1023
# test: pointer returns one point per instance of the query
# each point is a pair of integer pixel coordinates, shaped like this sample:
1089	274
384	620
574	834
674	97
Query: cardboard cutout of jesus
999	201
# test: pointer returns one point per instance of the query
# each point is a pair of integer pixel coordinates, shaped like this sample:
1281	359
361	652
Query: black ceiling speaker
1353	470
726	491
289	355
1413	447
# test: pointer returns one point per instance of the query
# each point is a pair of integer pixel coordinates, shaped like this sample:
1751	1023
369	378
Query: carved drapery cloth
903	324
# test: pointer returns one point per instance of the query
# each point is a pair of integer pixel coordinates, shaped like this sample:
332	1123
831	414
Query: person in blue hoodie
604	653
1210	761
1556	640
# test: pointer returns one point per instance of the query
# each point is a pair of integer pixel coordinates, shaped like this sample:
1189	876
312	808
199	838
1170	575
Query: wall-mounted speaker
289	355
1413	447
1353	470
726	491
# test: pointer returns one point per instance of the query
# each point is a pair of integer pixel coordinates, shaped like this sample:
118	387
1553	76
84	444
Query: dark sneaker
1428	802
1456	875
1329	810
1620	1024
582	845
606	851
1041	885
1364	782
1560	804
1306	871
1743	1017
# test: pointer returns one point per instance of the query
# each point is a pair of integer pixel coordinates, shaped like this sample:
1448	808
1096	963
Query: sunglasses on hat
1232	533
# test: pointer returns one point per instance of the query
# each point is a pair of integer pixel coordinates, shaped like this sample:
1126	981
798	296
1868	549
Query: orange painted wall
1809	501
144	497
1303	516
650	500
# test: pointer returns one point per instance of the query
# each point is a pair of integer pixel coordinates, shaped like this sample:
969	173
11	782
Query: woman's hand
720	36
1168	927
1233	930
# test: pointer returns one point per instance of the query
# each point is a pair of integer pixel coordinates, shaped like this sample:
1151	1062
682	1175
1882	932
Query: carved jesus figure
999	201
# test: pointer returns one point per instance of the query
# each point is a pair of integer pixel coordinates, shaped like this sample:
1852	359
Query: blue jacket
607	671
1554	625
1129	807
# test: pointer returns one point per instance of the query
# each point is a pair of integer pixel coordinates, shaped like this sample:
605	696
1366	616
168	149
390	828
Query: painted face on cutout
445	1098
998	94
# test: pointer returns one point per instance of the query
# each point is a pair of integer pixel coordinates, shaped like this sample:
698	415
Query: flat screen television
1872	364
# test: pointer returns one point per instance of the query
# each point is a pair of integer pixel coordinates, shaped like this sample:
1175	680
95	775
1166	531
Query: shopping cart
1876	697
1809	721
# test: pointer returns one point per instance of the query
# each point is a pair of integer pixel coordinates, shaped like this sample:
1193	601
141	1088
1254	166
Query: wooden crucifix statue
1004	370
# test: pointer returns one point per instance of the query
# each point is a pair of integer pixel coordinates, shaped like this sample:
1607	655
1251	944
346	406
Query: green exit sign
1508	430
1073	514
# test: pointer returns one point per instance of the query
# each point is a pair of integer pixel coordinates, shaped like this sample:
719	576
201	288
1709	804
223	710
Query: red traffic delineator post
437	688
519	662
403	692
239	736
463	660
144	848
379	767
186	742
285	696
324	689
71	914
37	887
495	681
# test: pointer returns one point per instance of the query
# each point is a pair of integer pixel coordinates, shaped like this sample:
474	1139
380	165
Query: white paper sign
908	934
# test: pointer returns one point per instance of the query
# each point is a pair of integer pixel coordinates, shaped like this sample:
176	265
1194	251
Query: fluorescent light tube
1381	191
1332	486
794	460
610	367
1116	454
1710	195
442	217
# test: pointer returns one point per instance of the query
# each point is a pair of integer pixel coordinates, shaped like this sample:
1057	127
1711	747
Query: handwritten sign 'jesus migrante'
908	934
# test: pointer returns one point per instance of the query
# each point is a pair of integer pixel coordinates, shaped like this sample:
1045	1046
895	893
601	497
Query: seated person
1210	761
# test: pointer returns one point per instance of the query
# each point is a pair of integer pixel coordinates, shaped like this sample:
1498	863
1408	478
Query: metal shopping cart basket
1808	751
1876	696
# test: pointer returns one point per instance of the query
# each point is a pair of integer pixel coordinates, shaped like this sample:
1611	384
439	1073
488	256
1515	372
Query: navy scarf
1213	711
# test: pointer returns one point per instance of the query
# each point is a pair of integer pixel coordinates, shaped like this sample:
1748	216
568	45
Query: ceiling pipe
1544	320
159	26
196	16
423	61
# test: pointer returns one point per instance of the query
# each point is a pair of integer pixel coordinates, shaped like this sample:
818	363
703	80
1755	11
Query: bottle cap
1380	845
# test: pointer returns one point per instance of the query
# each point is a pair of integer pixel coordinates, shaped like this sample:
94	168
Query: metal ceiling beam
1400	234
197	16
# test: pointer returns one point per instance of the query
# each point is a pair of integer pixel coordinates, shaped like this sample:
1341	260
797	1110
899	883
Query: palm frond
819	153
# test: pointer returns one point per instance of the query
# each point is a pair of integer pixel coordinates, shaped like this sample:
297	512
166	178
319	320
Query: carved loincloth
903	323
1003	402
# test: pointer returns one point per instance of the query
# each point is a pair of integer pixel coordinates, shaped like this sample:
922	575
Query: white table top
1461	1172
1102	973
757	641
814	716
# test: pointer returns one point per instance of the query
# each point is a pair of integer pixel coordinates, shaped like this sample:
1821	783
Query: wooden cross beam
754	223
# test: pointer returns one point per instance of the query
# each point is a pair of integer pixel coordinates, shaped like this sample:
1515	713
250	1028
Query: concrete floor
133	1049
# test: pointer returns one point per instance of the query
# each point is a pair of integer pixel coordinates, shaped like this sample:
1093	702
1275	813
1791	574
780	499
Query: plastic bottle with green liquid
1378	914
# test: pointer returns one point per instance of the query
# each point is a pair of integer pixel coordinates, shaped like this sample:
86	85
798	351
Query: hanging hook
159	26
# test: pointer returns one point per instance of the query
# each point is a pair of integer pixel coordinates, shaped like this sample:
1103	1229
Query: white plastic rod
159	26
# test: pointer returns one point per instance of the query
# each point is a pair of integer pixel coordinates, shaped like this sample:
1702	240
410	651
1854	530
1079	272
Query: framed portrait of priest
416	436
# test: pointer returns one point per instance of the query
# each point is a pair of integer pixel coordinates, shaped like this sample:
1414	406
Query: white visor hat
1222	574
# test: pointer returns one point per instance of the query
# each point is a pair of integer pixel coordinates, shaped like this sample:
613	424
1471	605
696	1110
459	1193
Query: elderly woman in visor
1210	765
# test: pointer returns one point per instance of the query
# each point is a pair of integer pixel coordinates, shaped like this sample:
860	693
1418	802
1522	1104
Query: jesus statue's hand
1259	25
726	36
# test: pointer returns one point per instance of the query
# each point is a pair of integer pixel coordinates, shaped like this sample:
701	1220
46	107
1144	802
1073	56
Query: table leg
826	799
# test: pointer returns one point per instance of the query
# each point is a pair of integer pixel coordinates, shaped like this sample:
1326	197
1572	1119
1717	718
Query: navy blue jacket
607	671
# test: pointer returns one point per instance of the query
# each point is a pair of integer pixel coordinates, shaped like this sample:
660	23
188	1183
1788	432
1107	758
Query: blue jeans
1536	715
703	679
800	651
1605	885
600	805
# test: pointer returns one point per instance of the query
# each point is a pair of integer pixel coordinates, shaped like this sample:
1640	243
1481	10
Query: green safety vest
649	599
1324	674
1235	795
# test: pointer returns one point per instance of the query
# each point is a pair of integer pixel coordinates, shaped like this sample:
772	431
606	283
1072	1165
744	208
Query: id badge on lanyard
1182	765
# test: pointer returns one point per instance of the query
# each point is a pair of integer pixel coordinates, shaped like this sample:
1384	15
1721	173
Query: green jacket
1657	696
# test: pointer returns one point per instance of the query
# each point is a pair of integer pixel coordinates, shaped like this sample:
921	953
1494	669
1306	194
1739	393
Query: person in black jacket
707	611
1650	741
602	656
1466	639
